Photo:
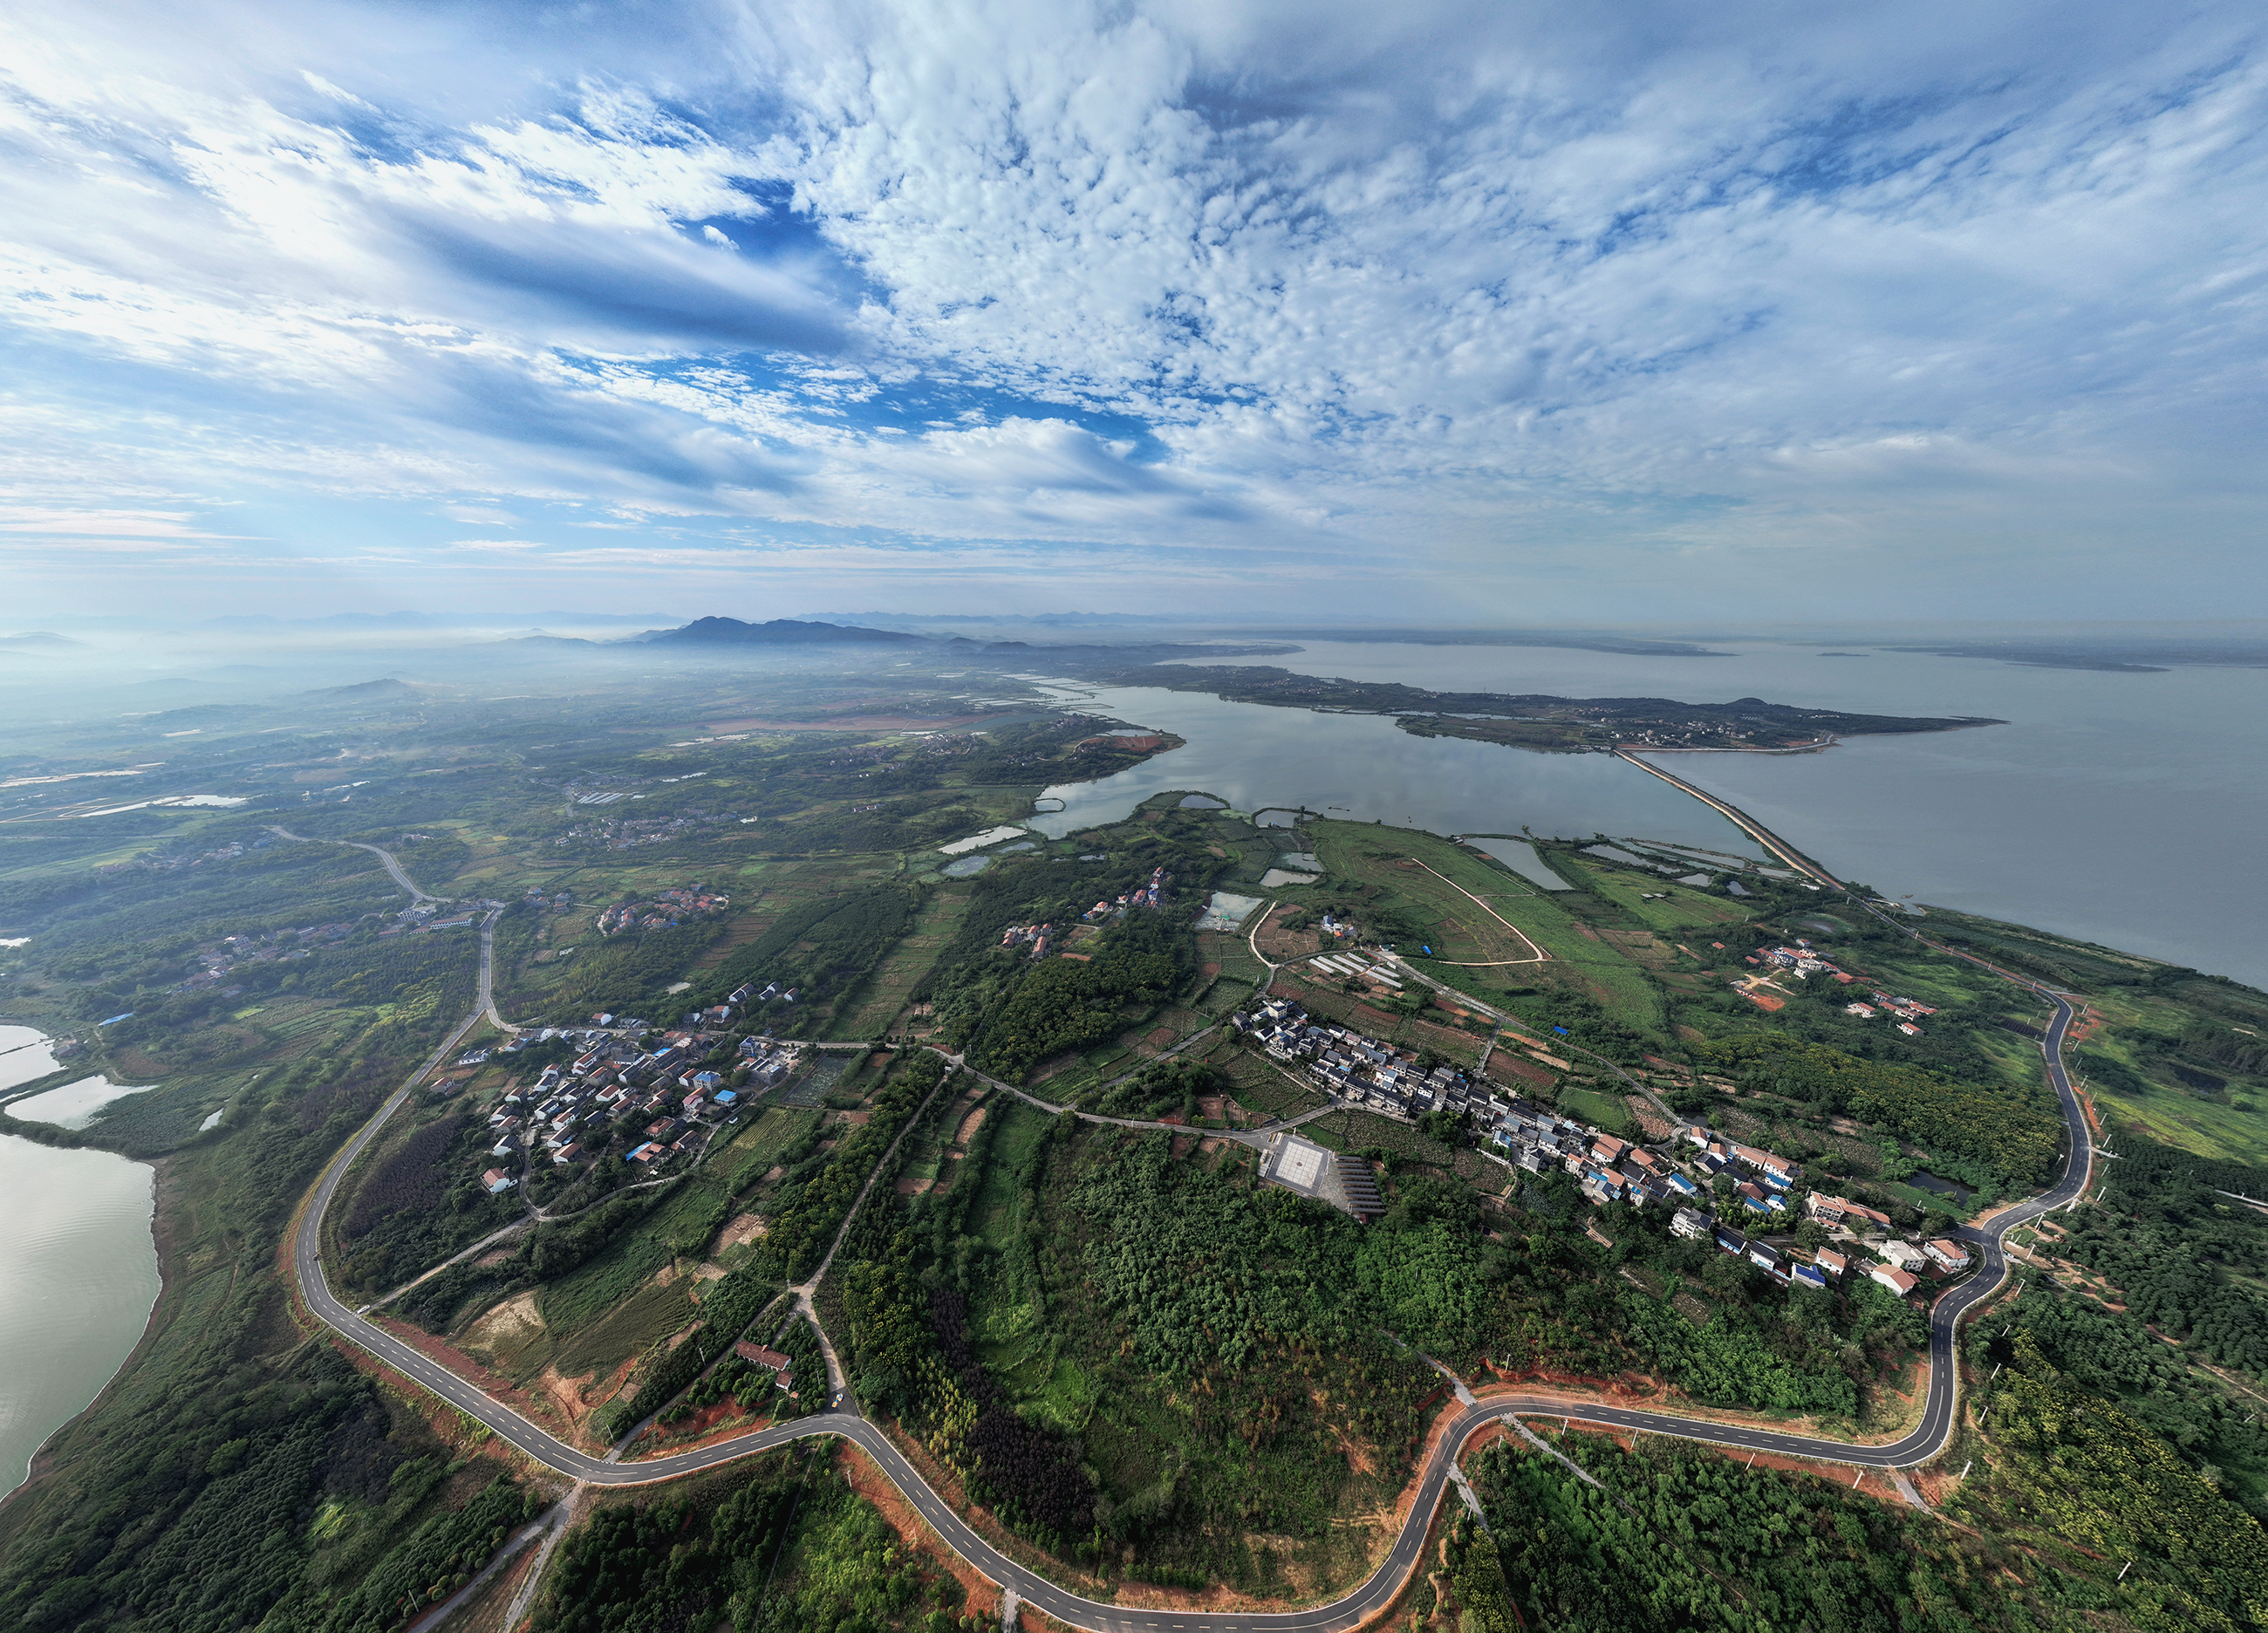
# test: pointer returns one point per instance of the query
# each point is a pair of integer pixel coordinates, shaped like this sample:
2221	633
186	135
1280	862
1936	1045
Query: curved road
1922	1443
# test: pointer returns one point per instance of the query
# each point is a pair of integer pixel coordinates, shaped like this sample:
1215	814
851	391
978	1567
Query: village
1745	1200
657	1094
1801	961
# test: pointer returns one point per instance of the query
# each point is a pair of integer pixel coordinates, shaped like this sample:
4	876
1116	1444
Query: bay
2124	809
1364	768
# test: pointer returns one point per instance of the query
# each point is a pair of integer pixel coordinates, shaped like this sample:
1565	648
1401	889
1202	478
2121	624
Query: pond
75	1105
1520	858
1943	1187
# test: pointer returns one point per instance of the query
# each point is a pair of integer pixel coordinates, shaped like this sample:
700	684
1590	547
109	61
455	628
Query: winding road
1924	1442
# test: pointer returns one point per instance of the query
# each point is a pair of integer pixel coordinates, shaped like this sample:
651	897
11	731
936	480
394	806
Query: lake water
24	1056
1364	766
75	1286
75	1105
78	1277
2124	809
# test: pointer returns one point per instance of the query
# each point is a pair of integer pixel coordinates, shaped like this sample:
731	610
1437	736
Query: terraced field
883	998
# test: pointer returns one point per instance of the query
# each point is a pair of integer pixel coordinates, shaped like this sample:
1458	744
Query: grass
1681	907
883	997
1427	878
629	1329
1603	1110
578	1299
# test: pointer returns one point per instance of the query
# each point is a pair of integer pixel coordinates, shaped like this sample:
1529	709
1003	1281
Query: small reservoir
80	1274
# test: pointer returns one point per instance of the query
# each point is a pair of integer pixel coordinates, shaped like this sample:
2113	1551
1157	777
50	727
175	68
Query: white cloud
1504	293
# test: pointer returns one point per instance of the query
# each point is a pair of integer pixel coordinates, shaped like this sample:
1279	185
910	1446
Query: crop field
883	997
755	1147
1680	908
994	1210
1605	1111
585	1294
629	1329
1468	904
1259	1085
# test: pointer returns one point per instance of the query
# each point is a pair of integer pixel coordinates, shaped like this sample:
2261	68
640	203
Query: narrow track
1924	1442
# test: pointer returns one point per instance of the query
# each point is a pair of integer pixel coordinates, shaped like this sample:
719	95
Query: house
498	1182
1946	1254
1837	1213
567	1153
1689	1223
1732	1241
1896	1280
1808	1275
1905	1255
1828	1260
771	1360
646	1152
1682	1186
1762	1256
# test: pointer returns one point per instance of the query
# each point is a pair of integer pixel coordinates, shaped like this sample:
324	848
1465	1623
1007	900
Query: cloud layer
1774	311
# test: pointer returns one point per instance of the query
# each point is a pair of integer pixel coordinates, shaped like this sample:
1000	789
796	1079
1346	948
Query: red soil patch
536	1408
870	1482
1764	1000
1508	1068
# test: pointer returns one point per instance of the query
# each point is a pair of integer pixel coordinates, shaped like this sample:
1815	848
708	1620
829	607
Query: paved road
386	856
1924	1442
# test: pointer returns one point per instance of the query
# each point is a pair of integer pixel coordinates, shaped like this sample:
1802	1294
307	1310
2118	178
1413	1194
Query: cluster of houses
671	907
1039	938
1802	960
1763	1198
275	947
1146	896
661	1091
1358	1071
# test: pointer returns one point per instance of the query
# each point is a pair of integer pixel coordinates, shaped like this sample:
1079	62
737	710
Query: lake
2123	809
79	1276
77	1285
1363	767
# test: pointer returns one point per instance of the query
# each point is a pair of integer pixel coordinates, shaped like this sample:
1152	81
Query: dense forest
2185	1257
2012	1133
1669	1537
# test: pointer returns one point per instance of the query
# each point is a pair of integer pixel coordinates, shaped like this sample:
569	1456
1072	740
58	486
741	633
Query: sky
1504	313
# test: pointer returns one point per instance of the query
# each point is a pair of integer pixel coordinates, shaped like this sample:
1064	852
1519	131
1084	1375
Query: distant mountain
430	620
1044	621
39	637
368	692
778	632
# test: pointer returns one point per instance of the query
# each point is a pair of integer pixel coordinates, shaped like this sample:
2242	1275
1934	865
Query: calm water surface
1364	768
2125	809
76	1282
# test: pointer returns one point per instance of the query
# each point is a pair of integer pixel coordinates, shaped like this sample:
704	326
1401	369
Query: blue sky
1495	312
